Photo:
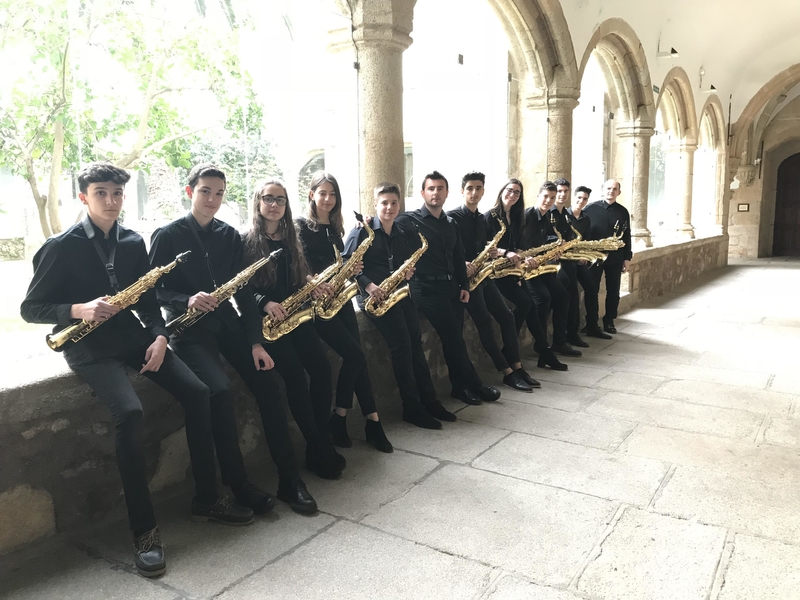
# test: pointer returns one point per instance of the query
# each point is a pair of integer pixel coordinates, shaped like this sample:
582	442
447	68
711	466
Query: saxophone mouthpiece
183	256
359	216
275	254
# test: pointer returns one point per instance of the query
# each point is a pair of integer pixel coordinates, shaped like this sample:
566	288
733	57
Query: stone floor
664	464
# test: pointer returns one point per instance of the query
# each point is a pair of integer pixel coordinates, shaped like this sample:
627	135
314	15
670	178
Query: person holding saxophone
388	265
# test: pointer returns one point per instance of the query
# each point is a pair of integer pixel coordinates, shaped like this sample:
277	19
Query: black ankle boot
548	359
338	427
322	463
376	436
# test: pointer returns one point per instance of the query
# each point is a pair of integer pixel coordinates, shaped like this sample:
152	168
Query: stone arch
711	127
624	63
679	107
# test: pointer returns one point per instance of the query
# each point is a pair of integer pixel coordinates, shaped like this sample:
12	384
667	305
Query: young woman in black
300	351
319	232
510	207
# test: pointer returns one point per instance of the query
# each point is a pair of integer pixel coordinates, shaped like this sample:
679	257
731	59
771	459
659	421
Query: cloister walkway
664	464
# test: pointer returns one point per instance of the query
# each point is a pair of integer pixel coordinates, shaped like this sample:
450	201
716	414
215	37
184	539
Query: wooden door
786	241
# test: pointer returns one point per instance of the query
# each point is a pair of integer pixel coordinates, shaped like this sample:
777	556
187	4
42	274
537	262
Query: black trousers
548	294
486	302
200	349
525	311
400	328
589	284
342	335
568	277
108	378
296	354
438	301
612	267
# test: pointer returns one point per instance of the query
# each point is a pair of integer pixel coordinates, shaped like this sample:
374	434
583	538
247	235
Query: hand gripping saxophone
294	305
224	292
395	294
127	297
343	288
484	270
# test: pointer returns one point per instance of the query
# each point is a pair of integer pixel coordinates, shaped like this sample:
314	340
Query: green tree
118	80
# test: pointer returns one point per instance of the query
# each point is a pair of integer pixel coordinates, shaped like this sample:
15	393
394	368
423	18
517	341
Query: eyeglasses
276	200
512	192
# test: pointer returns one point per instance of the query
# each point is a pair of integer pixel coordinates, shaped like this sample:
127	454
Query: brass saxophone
555	252
127	297
592	250
343	288
395	294
503	267
484	270
180	324
297	315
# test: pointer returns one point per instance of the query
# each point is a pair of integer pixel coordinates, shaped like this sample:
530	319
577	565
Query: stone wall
57	465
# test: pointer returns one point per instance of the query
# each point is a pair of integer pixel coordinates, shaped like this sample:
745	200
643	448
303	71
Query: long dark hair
256	242
517	211
335	217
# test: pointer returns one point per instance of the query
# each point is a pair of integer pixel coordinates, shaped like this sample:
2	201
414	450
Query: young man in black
486	301
217	256
75	273
583	224
609	218
440	288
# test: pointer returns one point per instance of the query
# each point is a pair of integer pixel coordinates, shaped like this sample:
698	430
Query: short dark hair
387	187
101	172
436	176
205	170
562	181
473	176
549	186
584	189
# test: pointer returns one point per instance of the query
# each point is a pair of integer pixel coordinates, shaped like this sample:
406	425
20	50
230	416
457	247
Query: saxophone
503	267
180	324
127	297
391	283
592	250
297	315
343	288
485	270
555	252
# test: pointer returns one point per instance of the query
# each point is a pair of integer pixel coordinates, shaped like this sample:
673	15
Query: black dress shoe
338	427
250	496
578	341
375	435
420	418
323	463
437	411
608	327
548	359
566	350
295	494
222	511
523	374
149	554
599	333
488	393
467	397
515	382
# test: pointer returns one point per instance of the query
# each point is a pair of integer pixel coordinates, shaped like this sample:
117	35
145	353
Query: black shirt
226	259
386	253
582	223
562	223
538	229
283	286
472	227
445	254
67	270
509	241
318	245
603	218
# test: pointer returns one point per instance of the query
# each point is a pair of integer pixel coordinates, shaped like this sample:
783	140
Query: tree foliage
128	81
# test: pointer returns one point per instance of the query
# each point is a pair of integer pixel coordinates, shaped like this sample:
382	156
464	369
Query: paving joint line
490	447
664	481
721	568
762	429
597	549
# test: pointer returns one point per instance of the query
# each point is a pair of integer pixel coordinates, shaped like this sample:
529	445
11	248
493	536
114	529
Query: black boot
222	511
421	419
295	494
149	554
338	426
438	411
376	436
548	359
322	462
250	496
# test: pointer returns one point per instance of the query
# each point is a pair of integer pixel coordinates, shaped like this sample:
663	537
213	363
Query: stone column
381	32
635	139
559	136
687	178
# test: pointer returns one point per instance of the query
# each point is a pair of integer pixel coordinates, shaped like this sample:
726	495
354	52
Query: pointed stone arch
712	130
678	103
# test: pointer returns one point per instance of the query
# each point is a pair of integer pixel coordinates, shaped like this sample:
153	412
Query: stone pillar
559	136
687	178
635	139
381	32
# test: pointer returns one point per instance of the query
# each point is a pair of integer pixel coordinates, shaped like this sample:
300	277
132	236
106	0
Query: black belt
433	277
